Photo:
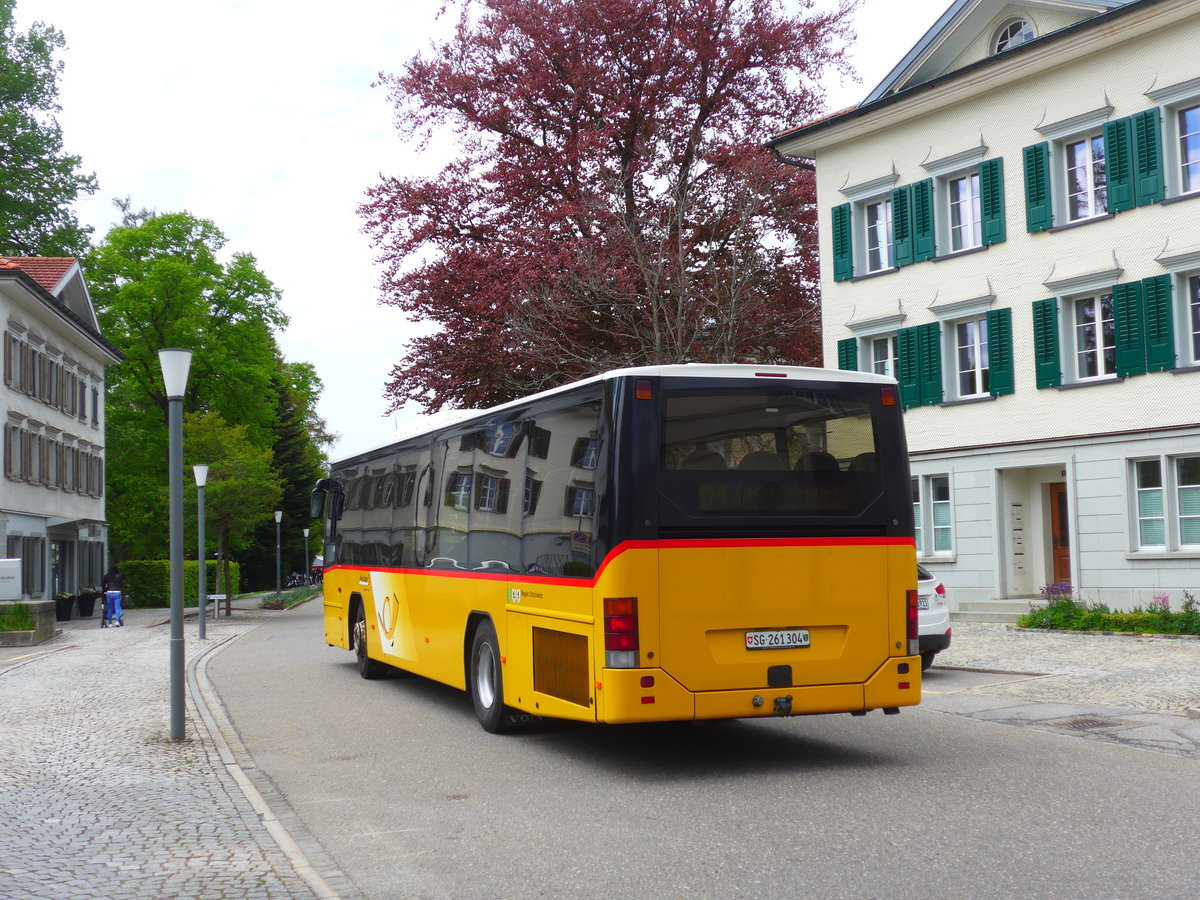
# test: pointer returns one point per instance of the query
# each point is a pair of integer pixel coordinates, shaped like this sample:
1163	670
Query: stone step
1008	618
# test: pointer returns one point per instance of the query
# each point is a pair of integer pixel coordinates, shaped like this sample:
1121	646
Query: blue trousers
112	607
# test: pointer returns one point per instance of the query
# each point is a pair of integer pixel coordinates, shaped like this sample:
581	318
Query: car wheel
927	659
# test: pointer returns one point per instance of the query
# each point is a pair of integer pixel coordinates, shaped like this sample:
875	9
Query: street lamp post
201	477
278	519
304	569
175	364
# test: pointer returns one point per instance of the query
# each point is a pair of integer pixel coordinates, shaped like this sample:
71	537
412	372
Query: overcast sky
262	118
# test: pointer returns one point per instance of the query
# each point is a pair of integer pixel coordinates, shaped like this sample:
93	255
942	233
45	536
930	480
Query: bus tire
367	667
487	682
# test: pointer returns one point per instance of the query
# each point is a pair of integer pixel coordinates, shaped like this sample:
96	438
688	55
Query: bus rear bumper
626	697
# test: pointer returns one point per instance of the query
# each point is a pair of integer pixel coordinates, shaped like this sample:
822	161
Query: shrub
148	582
1062	613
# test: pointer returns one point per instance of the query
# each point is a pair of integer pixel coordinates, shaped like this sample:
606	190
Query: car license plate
922	603
776	640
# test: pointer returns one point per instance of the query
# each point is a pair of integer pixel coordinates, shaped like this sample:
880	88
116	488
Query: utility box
10	579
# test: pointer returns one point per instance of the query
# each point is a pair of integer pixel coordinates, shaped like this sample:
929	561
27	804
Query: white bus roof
447	417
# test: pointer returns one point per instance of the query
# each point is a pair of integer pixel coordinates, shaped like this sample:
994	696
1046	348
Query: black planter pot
87	605
64	608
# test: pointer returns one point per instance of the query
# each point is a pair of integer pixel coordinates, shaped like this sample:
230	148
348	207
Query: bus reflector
887	396
620	632
642	390
914	641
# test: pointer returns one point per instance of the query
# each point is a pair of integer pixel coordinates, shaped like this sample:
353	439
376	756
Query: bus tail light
620	632
914	640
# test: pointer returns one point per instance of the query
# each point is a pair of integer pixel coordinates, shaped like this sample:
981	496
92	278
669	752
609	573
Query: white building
52	493
1010	225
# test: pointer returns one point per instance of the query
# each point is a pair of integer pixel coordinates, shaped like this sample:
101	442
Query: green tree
38	180
242	487
162	281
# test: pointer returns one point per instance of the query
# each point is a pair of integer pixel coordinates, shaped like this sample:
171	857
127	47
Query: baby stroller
112	610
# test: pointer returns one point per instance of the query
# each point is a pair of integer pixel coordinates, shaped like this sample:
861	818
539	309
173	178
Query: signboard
10	579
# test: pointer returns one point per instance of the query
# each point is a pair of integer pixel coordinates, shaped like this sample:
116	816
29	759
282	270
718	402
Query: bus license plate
776	640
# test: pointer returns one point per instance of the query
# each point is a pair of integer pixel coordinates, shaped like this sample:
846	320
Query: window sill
1054	229
869	275
966	401
1113	379
1154	555
954	254
1179	198
1183	370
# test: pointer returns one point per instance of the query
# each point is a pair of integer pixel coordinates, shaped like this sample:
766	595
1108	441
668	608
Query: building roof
47	271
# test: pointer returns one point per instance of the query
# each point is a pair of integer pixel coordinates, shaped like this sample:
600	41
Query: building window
1014	34
1189	149
1151	512
533	490
1187	473
916	502
586	453
581	501
1095	337
885	357
932	518
878	216
1193	289
966	218
972	355
1087	185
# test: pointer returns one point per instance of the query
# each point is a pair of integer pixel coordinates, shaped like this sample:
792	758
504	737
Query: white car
933	616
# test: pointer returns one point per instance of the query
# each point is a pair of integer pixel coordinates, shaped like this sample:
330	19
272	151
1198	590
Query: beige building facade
1010	226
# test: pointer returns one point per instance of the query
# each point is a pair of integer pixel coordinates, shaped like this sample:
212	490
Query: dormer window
1014	34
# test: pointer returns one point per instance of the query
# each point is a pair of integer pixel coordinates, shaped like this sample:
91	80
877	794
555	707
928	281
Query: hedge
148	581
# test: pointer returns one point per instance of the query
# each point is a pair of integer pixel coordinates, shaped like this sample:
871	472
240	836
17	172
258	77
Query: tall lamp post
175	364
278	519
201	478
304	568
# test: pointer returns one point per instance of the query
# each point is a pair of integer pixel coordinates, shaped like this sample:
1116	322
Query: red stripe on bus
627	546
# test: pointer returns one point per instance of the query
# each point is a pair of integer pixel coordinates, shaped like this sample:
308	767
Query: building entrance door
1060	534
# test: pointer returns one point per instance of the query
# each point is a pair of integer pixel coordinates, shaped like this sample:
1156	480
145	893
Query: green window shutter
1156	304
908	368
1000	357
1118	164
1045	343
843	248
929	353
902	226
1127	321
1148	163
922	220
1038	215
991	200
848	354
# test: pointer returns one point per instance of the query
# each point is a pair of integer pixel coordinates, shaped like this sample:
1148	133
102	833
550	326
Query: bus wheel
487	684
367	667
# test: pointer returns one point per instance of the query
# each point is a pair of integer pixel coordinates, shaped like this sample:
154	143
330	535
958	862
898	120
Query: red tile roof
47	271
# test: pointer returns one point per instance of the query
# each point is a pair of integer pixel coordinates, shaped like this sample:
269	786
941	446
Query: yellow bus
652	544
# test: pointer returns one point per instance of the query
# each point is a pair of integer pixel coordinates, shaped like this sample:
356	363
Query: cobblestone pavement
97	801
1129	671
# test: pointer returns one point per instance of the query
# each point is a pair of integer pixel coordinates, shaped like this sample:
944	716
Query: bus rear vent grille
560	665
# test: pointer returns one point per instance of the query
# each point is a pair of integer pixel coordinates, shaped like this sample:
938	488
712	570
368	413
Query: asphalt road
411	798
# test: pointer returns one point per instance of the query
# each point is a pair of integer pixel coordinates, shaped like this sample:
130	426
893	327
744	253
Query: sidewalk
96	801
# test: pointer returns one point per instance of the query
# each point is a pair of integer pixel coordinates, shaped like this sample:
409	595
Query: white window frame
926	510
489	492
862	196
1176	502
967	232
881	233
464	483
1095	193
887	363
1024	33
1104	354
974	340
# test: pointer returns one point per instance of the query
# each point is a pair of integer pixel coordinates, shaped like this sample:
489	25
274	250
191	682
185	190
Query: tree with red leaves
612	204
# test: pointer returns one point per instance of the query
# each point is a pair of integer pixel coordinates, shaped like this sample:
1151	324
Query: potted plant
87	602
64	606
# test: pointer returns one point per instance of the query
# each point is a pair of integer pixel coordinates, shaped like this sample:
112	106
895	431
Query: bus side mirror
316	504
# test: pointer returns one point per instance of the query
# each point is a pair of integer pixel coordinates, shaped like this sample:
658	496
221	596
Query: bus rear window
779	453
